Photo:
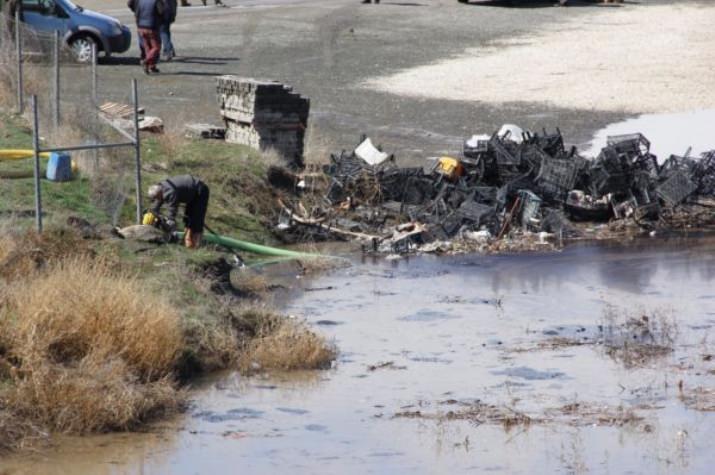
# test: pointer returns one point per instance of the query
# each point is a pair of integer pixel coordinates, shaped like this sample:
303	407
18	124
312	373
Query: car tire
82	48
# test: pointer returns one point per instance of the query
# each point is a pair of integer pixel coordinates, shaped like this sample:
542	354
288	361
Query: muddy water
450	328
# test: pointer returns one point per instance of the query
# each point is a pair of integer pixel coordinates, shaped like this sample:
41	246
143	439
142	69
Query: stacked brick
264	115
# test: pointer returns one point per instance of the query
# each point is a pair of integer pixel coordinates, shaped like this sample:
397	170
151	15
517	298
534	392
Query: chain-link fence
70	103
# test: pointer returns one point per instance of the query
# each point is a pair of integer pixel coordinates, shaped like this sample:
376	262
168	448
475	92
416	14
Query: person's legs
196	217
152	48
142	51
167	46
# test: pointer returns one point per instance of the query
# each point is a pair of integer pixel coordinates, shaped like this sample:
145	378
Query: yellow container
450	167
149	219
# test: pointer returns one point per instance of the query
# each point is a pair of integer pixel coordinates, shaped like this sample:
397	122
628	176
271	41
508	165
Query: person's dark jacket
145	12
176	190
170	13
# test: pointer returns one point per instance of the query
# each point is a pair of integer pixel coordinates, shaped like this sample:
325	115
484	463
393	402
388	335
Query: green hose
239	245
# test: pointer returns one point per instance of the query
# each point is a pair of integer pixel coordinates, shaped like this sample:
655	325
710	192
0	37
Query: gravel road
420	75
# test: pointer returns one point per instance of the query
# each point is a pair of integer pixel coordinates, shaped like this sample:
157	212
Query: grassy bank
99	333
241	202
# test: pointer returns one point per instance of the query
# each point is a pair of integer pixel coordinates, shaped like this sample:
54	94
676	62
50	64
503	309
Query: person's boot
196	239
185	3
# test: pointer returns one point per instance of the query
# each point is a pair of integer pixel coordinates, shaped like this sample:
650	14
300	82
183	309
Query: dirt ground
329	50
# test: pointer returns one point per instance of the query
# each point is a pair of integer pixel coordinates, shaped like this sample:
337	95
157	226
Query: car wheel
82	48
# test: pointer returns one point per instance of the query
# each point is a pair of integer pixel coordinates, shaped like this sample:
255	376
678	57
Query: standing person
168	51
149	15
190	191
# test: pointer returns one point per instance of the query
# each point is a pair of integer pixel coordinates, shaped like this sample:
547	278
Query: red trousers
152	46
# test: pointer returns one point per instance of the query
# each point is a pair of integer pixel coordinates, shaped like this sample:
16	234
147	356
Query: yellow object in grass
20	154
149	219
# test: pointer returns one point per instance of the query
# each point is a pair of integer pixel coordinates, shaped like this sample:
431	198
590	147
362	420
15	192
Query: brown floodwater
455	330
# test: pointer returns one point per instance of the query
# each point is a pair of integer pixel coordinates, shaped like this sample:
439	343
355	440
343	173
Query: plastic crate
676	188
629	144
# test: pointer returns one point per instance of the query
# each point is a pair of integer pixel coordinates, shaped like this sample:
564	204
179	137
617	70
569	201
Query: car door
45	16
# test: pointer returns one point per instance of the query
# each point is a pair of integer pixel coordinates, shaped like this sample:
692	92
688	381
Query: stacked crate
264	115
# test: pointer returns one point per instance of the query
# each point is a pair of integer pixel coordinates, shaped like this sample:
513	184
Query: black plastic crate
676	188
629	144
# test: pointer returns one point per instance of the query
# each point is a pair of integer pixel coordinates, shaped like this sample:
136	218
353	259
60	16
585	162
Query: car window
42	6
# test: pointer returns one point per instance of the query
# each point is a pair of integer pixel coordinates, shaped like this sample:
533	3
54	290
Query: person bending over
193	194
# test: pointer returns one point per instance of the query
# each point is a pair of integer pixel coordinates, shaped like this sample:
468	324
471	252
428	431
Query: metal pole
78	148
95	106
18	46
56	108
36	153
94	74
137	151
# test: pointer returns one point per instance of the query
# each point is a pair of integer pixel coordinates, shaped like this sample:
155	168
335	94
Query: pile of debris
511	183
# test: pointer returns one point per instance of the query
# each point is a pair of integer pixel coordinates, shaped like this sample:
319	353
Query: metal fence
41	78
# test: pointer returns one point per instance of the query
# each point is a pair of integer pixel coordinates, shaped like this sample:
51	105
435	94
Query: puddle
669	134
429	379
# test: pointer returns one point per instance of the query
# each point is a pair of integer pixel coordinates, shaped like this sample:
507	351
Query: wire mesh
69	94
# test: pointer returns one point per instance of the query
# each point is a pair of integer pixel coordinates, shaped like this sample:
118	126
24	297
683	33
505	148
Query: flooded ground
669	134
506	364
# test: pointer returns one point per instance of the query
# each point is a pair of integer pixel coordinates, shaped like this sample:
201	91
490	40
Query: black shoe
155	70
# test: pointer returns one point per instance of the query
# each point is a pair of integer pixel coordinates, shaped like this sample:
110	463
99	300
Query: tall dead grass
91	349
23	253
284	344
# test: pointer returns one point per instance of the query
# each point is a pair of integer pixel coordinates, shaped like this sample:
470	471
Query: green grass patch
241	203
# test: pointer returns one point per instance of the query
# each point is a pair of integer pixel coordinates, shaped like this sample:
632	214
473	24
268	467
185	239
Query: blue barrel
59	167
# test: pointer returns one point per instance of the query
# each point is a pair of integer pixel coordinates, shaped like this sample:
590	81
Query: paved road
325	48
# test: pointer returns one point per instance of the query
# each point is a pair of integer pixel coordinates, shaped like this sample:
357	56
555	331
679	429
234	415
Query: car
80	28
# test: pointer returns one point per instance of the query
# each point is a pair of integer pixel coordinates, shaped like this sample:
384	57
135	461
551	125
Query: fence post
95	106
137	151
36	154
94	74
18	47
56	108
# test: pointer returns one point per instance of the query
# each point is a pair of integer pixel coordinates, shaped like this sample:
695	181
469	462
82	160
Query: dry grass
23	253
699	399
637	338
321	264
17	433
285	344
579	414
91	350
250	283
